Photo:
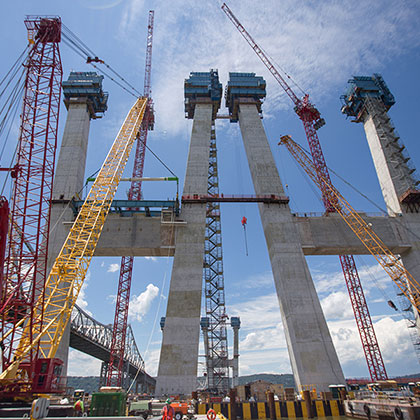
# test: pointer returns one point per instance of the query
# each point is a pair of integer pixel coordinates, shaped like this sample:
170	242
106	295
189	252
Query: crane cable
382	210
386	296
10	103
80	48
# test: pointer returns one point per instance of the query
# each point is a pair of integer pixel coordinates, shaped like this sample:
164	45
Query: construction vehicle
364	231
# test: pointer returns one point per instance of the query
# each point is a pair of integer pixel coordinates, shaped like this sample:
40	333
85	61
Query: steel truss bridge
93	338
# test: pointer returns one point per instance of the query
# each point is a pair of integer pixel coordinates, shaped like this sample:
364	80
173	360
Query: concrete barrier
284	409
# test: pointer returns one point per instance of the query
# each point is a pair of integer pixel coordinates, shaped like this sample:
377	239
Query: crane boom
264	58
389	262
68	272
148	68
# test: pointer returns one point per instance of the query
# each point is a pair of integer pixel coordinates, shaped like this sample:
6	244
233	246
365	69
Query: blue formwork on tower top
202	87
245	88
86	86
362	87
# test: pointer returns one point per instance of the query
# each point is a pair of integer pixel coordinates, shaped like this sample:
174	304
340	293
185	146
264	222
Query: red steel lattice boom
27	249
119	332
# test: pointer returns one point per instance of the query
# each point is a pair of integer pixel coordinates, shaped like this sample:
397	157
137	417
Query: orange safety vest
168	412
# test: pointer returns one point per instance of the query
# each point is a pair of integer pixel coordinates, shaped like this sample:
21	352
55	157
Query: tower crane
116	361
26	253
68	272
217	363
389	262
312	121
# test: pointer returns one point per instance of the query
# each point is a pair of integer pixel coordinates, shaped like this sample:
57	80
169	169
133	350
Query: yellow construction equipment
390	263
68	272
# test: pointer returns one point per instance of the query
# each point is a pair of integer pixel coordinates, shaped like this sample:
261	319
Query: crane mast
114	375
27	249
217	362
312	121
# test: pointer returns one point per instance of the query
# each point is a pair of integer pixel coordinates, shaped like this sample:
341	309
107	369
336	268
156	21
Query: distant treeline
91	383
88	383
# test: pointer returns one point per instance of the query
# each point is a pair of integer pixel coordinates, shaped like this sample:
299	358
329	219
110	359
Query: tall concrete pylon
311	350
181	333
368	100
84	100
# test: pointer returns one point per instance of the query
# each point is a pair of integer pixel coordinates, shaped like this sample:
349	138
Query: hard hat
168	401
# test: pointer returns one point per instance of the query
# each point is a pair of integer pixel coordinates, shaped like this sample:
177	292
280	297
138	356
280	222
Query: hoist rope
80	48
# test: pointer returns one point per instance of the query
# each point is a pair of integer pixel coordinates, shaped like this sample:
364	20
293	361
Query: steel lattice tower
217	358
119	332
27	249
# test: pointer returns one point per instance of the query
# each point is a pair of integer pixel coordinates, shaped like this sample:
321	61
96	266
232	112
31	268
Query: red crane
115	367
27	249
312	120
4	225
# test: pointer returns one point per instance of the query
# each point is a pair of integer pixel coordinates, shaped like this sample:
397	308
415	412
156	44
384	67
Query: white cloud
153	259
337	306
81	301
113	268
371	277
140	305
268	361
268	338
319	43
256	313
260	280
151	361
393	340
130	16
81	364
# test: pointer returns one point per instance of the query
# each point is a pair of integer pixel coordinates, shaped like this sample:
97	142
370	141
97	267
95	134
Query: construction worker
168	411
79	407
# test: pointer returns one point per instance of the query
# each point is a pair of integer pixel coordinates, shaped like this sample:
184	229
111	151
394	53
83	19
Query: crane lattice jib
389	262
68	272
264	58
148	69
27	249
119	331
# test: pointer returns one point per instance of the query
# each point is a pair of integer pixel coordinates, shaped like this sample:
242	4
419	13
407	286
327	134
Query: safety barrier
284	409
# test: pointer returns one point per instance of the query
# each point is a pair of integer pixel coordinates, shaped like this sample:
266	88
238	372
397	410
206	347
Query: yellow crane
389	262
51	315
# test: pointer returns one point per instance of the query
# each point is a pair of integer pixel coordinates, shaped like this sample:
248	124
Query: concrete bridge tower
84	100
179	352
311	351
367	101
312	354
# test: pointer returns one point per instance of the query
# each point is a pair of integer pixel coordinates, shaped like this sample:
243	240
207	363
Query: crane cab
47	376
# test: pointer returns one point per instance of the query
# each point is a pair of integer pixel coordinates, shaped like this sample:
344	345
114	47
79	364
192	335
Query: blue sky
321	44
